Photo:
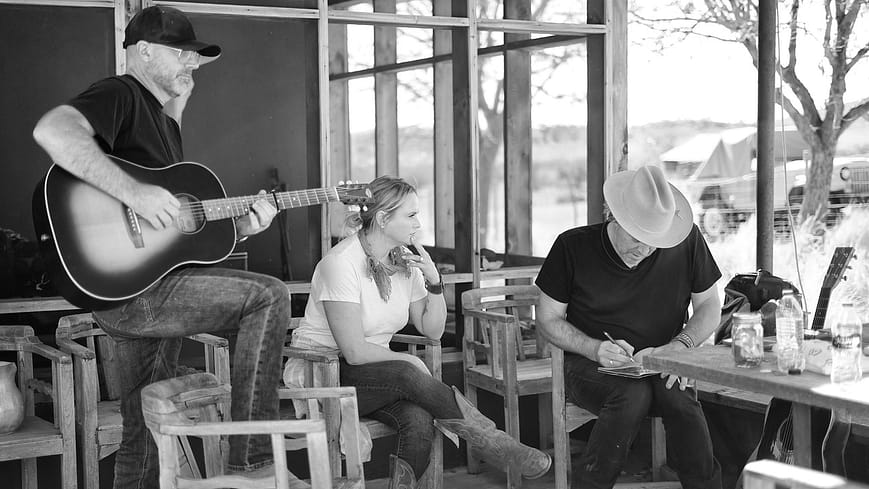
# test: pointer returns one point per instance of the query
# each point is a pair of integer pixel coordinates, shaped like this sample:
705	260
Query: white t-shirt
342	275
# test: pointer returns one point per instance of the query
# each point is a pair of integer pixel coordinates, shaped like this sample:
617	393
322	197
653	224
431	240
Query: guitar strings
239	206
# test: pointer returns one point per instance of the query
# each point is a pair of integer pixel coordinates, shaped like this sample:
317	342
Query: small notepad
633	371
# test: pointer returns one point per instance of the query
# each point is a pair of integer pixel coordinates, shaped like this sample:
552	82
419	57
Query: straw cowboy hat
648	207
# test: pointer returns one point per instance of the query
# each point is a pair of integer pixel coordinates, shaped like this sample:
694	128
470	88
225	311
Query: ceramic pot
11	401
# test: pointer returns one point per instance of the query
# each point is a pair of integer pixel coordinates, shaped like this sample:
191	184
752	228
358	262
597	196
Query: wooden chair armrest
259	427
498	317
416	340
70	347
311	355
50	353
316	392
210	340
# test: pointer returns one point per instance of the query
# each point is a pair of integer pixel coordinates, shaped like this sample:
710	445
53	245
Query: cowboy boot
401	474
496	447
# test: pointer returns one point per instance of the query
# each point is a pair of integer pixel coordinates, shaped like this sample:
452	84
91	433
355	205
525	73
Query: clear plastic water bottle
789	334
846	349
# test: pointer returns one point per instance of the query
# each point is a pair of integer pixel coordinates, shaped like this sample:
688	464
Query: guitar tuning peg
340	182
364	207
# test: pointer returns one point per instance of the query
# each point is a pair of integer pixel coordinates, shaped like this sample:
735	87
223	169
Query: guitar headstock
838	264
354	193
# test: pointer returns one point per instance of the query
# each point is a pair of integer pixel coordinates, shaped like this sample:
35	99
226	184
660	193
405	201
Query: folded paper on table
819	358
631	370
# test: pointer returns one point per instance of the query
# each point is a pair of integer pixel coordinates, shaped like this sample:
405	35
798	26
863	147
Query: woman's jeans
621	404
148	333
406	398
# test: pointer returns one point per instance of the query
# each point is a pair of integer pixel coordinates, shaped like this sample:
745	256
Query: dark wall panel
47	54
248	115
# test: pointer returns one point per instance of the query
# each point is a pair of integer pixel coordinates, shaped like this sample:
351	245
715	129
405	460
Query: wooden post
517	136
465	150
607	99
443	134
385	95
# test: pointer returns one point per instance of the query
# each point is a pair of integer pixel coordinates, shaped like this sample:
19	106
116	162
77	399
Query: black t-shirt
646	305
130	123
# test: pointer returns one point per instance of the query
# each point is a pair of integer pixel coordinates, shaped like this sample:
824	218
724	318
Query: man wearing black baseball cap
137	117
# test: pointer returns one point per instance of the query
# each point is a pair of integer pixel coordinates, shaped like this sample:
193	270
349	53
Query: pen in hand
613	341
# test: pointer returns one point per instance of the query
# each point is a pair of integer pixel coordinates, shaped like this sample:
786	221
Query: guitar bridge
133	228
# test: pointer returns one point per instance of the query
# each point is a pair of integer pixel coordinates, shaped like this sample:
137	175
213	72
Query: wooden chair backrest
83	329
487	311
187	405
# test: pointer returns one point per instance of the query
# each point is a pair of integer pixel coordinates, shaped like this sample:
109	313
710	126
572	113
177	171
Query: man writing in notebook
632	278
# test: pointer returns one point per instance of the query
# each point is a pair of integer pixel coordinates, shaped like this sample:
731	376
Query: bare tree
842	35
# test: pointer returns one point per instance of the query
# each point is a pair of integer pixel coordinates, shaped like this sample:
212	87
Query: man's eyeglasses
185	57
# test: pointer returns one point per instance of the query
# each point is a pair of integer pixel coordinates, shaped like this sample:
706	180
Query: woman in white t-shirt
365	290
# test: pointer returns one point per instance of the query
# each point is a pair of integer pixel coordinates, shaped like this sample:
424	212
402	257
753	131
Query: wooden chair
187	406
496	321
37	437
769	474
98	420
322	371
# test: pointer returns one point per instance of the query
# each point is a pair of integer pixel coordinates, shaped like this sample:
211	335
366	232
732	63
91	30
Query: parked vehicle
724	203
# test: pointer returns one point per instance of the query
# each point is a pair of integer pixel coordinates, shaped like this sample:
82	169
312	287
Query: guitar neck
232	207
821	308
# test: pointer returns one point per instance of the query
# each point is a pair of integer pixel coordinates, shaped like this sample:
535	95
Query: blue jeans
621	404
148	333
404	397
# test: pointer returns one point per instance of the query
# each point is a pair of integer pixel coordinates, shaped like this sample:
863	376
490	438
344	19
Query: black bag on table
751	292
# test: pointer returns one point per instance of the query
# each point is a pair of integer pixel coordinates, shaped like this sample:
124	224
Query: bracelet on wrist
685	339
437	288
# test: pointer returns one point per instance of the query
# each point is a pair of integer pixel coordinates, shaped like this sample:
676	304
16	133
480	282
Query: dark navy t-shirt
646	305
130	123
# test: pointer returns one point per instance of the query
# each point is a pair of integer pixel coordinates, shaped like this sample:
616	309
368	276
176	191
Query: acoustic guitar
777	438
99	253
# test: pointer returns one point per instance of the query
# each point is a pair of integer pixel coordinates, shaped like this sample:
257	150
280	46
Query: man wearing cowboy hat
612	293
137	117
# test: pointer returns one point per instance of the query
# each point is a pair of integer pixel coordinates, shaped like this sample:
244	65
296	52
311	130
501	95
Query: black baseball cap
170	27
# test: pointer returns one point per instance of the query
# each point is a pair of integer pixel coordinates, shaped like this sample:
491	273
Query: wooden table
715	364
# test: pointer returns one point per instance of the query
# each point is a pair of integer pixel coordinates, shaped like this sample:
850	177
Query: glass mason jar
747	334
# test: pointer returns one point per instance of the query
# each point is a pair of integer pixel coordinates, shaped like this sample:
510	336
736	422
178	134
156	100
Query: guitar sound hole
192	217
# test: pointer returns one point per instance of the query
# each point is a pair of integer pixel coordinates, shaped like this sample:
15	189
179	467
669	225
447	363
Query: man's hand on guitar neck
259	218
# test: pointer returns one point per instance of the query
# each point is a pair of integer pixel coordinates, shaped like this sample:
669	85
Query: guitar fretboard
216	209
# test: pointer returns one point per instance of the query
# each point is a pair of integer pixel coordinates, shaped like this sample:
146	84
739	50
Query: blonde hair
387	194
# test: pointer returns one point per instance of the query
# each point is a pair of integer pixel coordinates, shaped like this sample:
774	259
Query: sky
697	79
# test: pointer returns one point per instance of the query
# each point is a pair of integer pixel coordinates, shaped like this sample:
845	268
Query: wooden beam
387	18
535	27
385	96
444	173
496	50
62	3
243	10
517	136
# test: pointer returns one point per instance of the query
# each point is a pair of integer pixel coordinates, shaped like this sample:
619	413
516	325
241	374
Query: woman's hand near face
424	263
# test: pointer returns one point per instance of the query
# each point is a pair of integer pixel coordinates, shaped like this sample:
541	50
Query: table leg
802	427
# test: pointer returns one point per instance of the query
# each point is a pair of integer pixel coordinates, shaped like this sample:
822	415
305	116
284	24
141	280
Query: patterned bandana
380	271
